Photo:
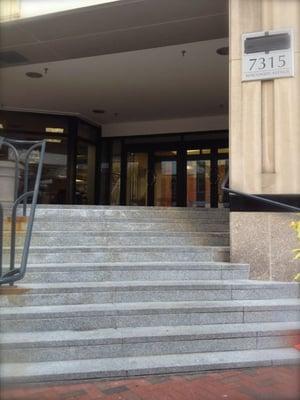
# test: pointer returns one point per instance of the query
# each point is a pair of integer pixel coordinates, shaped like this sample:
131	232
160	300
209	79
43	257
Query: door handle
153	180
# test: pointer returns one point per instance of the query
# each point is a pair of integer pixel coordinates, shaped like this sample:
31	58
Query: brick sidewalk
276	383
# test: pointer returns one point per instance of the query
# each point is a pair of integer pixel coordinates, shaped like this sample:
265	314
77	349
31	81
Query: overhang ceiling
136	60
122	26
167	82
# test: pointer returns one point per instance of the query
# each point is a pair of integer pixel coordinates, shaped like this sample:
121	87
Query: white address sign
267	55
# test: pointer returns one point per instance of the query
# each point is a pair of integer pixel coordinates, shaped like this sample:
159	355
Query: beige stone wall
10	9
264	115
264	142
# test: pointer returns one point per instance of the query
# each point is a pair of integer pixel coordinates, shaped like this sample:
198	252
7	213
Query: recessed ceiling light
54	130
34	75
223	51
98	111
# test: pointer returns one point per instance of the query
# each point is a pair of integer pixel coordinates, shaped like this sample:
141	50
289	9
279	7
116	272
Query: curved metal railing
16	273
261	199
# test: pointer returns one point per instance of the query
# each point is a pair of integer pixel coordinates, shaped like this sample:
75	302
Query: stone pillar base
265	240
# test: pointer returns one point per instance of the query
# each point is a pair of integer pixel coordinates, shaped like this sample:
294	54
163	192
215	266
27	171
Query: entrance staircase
122	291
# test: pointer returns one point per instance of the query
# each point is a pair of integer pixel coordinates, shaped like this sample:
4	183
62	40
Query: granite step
69	254
207	225
112	272
126	342
162	299
124	212
158	364
68	293
172	219
131	238
142	314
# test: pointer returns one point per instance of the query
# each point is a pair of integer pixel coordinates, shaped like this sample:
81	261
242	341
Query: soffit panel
117	27
117	16
11	35
142	38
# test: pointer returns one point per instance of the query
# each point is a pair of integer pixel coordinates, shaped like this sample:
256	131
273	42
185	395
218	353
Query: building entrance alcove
138	101
182	170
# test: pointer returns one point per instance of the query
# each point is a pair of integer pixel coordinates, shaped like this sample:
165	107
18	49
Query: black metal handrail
288	207
14	274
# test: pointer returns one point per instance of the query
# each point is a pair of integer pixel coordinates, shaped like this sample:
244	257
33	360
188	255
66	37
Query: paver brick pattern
269	383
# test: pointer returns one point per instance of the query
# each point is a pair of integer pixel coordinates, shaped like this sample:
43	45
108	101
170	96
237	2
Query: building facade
144	105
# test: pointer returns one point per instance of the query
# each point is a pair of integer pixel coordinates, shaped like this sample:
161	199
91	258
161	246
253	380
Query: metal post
1	236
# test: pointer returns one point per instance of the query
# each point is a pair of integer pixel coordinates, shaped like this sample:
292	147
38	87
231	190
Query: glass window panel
85	173
193	152
104	174
223	197
165	183
223	151
54	174
198	183
165	153
137	179
115	178
205	151
27	126
54	177
88	132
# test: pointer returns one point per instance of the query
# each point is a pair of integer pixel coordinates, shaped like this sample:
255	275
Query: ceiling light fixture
34	75
223	51
98	111
54	130
53	140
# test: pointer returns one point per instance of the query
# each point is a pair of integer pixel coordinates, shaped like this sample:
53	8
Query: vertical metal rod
1	237
13	237
25	184
32	210
13	219
17	178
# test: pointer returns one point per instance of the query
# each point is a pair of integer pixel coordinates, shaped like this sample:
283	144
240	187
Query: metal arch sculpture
17	273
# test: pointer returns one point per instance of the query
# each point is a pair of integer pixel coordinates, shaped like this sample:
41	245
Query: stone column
264	142
10	9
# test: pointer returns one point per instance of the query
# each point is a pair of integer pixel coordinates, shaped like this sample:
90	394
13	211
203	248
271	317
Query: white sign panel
268	55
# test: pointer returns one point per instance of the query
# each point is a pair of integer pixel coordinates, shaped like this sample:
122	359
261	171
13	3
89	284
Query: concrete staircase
116	291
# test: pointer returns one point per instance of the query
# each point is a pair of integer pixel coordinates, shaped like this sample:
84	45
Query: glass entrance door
198	183
180	176
151	178
165	178
205	171
222	170
137	179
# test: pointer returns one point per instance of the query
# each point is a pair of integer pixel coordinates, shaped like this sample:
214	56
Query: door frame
150	150
213	157
181	147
